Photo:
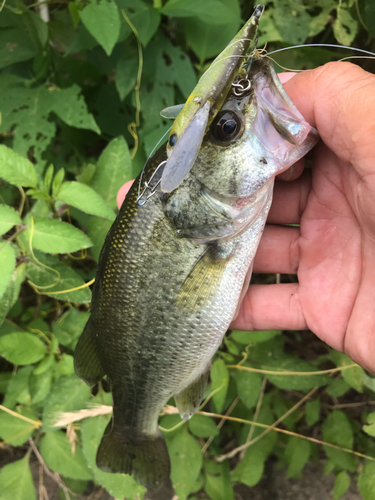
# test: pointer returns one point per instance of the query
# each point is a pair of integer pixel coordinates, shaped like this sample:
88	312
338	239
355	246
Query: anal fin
190	398
86	361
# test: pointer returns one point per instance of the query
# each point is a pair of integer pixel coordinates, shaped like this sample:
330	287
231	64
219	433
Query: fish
175	266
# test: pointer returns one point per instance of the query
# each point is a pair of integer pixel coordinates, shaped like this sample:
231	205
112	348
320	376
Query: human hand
333	250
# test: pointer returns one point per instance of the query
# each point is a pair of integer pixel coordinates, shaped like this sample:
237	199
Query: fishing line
284	67
322	45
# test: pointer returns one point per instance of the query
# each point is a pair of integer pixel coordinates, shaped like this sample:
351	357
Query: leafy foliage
80	97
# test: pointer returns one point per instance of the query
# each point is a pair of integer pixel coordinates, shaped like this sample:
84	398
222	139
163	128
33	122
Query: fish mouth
278	124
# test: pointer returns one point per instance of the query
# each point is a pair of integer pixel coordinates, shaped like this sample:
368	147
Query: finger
290	200
293	172
338	98
271	307
278	250
122	192
286	76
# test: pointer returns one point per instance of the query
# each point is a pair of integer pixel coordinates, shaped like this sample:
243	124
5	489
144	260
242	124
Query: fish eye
226	127
173	140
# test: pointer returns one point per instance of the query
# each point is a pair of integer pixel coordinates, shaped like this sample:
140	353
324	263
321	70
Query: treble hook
147	186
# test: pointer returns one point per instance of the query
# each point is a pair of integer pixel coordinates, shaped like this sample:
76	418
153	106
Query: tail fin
144	456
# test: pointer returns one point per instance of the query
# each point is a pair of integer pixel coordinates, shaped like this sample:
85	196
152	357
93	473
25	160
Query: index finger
339	99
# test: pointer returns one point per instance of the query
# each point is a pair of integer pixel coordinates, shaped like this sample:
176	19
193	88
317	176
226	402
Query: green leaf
47	181
268	31
57	454
22	348
295	382
12	291
15	46
219	378
329	466
69	327
57	181
218	485
370	429
57	277
253	337
114	168
337	388
118	485
16	481
353	376
126	74
183	447
97	231
250	470
366	481
297	453
319	22
54	236
208	40
210	11
70	106
68	393
102	20
14	430
37	28
45	364
248	386
338	431
345	27
202	426
40	384
18	388
342	484
7	265
65	365
87	173
8	218
16	169
292	21
312	410
84	198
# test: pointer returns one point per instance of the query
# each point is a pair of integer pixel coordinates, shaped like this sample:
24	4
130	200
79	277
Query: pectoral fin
204	279
189	400
86	361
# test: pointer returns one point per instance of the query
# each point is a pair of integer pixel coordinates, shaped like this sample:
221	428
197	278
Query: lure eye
226	127
172	140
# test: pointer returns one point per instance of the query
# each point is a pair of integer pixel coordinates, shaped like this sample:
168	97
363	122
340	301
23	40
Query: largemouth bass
172	271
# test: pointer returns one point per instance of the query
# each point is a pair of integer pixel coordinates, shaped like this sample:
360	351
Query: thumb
339	100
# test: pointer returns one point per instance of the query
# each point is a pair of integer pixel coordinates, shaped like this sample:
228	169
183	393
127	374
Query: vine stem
269	427
53	475
278	372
